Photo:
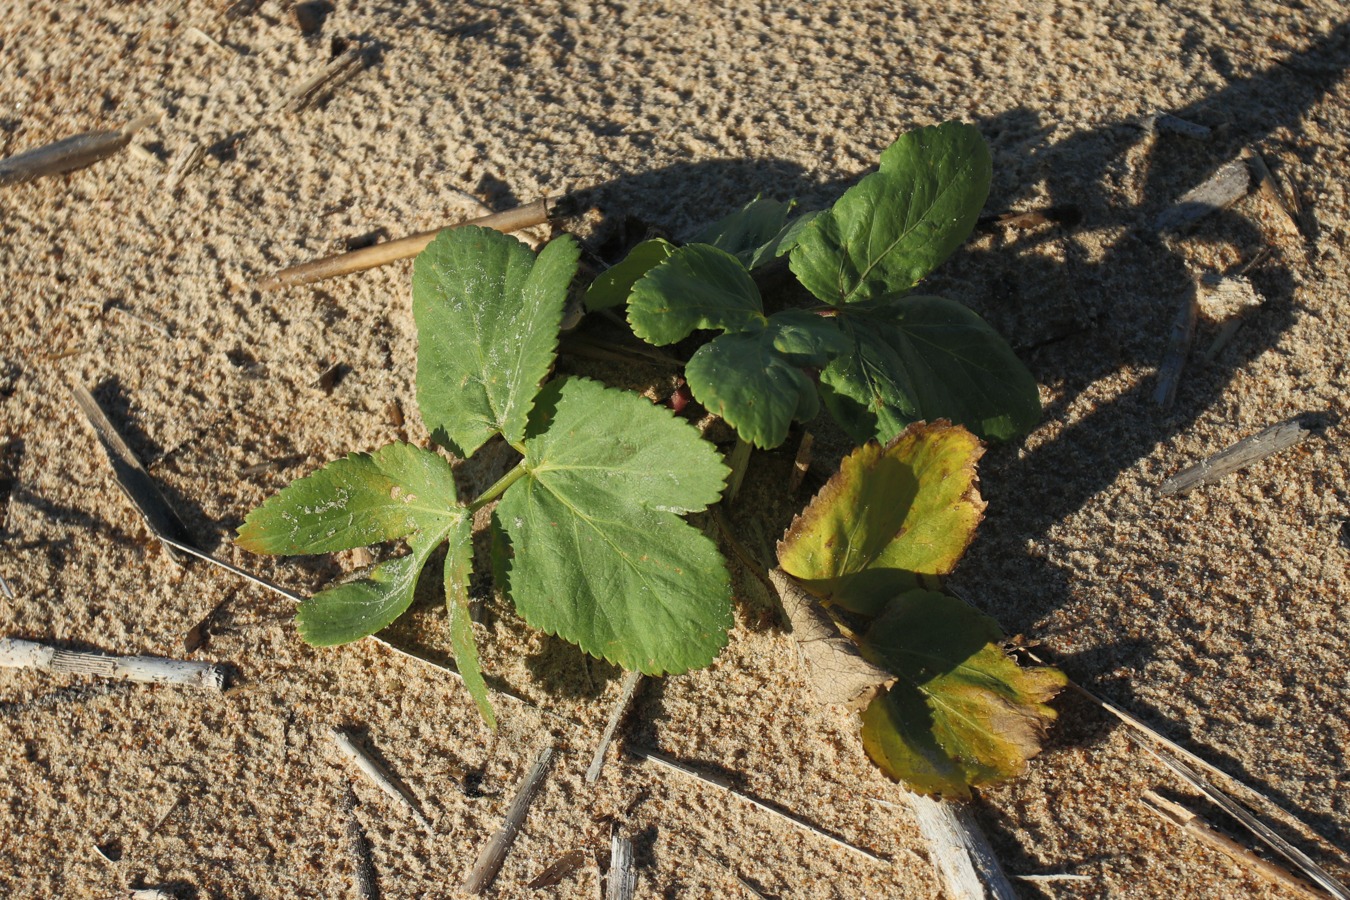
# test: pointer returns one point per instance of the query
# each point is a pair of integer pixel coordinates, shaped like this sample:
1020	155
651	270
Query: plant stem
740	461
499	488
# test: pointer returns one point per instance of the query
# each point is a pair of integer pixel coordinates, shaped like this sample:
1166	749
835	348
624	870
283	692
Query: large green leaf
963	713
616	283
895	226
889	516
488	313
924	358
751	233
363	499
699	286
601	556
755	379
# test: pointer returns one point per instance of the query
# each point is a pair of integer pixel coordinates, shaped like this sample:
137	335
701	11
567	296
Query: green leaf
925	358
754	379
750	233
350	611
786	239
397	492
458	570
888	516
601	556
364	499
488	313
697	287
616	283
895	226
963	714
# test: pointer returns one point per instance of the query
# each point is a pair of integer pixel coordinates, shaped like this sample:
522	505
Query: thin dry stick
1178	752
1268	837
1050	879
631	680
535	213
378	775
328	79
16	653
621	883
1221	190
1175	814
358	846
1179	340
1267	442
69	154
494	852
127	470
723	784
965	862
182	165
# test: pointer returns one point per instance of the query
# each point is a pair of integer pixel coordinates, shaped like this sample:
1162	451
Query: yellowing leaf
890	515
963	713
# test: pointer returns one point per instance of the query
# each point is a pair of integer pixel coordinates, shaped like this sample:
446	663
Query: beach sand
1220	616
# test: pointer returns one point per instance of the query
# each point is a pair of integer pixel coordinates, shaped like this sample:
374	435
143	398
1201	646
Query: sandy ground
1220	615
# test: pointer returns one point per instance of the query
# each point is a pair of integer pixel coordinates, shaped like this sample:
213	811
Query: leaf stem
739	462
499	488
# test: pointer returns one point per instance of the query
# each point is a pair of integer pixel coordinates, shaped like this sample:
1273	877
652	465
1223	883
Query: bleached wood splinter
16	653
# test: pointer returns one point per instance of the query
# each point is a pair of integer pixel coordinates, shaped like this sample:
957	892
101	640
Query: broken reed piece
358	847
184	162
1179	340
1178	815
322	84
16	653
621	882
631	680
1267	442
960	852
378	775
69	154
1162	121
1229	184
494	852
1163	745
1263	832
722	783
128	472
1273	189
510	220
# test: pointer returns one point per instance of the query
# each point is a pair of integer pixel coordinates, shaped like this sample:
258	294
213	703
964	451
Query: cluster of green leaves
873	543
589	523
884	357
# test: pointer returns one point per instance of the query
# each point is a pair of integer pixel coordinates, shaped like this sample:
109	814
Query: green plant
591	544
588	537
884	357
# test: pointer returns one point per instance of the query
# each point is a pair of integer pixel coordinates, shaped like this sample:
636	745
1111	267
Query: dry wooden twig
182	165
358	847
621	883
631	680
16	653
494	852
130	475
965	862
338	72
378	775
1226	186
1256	447
535	213
1176	814
69	154
1179	340
1263	832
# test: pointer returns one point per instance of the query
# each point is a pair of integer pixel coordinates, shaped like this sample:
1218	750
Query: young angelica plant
588	529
